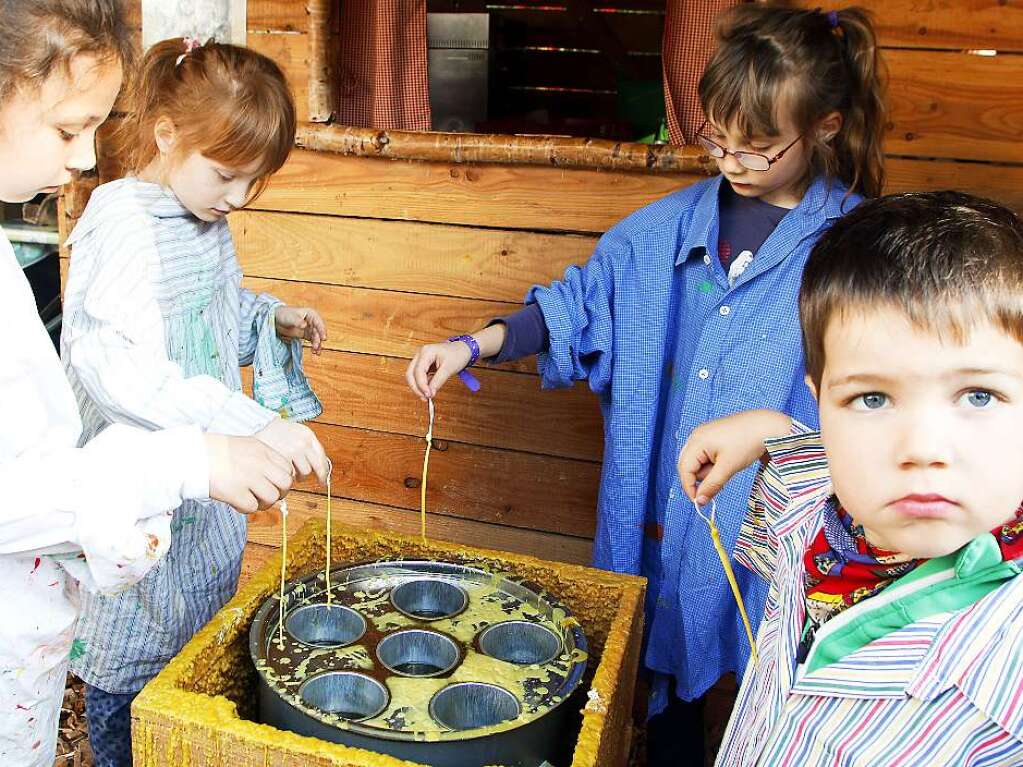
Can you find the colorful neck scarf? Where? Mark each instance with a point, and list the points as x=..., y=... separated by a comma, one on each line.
x=842, y=568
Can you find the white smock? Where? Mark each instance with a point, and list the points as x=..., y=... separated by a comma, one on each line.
x=95, y=517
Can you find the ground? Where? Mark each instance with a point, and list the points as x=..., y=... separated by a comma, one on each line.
x=73, y=738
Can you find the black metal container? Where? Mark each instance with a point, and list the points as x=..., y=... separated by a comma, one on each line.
x=432, y=662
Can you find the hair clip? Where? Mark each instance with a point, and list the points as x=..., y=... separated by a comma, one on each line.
x=191, y=43
x=833, y=19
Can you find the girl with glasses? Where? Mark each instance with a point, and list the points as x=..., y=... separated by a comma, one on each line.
x=687, y=311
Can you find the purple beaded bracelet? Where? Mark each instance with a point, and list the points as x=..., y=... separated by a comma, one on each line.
x=474, y=354
x=474, y=348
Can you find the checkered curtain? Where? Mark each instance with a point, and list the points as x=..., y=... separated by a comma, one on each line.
x=383, y=82
x=688, y=43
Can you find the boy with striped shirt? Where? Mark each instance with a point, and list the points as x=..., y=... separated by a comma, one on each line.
x=892, y=539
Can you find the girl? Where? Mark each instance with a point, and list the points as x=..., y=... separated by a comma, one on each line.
x=156, y=326
x=687, y=311
x=95, y=515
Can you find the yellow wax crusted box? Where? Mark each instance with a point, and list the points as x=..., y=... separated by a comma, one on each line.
x=199, y=711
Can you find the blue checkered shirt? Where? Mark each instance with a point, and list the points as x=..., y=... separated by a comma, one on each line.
x=651, y=323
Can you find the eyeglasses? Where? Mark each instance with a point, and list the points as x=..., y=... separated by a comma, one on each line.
x=748, y=160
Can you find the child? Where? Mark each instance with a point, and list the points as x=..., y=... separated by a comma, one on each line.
x=893, y=539
x=156, y=325
x=96, y=514
x=687, y=311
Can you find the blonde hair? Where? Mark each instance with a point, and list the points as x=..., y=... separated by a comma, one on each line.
x=814, y=63
x=39, y=37
x=229, y=103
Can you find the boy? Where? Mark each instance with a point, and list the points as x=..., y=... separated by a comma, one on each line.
x=893, y=630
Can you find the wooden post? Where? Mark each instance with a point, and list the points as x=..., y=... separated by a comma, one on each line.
x=322, y=73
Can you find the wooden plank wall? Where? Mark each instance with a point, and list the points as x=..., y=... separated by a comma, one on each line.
x=398, y=253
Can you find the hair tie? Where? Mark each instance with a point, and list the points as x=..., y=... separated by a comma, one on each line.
x=833, y=19
x=191, y=43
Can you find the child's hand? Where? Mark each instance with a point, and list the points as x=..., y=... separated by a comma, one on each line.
x=298, y=445
x=245, y=473
x=434, y=364
x=718, y=450
x=294, y=322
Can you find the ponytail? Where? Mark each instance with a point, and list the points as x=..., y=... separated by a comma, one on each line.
x=858, y=146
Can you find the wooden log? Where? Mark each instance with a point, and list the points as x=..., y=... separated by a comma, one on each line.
x=954, y=24
x=549, y=151
x=322, y=72
x=509, y=412
x=509, y=197
x=465, y=481
x=265, y=528
x=492, y=264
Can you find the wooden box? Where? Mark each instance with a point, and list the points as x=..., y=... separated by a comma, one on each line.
x=200, y=710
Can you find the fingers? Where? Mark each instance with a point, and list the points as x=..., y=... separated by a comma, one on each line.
x=441, y=375
x=712, y=483
x=691, y=461
x=412, y=378
x=319, y=463
x=317, y=331
x=427, y=359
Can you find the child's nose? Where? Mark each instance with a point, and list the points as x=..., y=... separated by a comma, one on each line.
x=83, y=154
x=730, y=166
x=923, y=442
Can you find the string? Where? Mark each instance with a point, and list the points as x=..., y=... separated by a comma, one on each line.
x=726, y=563
x=284, y=560
x=426, y=470
x=326, y=572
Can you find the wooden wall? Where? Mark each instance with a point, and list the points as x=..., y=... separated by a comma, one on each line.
x=398, y=253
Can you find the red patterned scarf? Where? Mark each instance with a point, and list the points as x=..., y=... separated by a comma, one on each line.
x=842, y=568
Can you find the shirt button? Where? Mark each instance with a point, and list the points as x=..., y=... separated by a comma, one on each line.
x=704, y=374
x=706, y=259
x=725, y=311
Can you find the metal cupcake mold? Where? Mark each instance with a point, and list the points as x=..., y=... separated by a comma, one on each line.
x=520, y=642
x=429, y=599
x=418, y=653
x=324, y=625
x=473, y=705
x=346, y=694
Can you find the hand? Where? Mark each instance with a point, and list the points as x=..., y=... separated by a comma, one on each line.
x=298, y=445
x=294, y=322
x=434, y=364
x=245, y=473
x=718, y=450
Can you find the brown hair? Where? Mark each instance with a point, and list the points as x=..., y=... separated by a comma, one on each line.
x=946, y=260
x=815, y=63
x=228, y=103
x=38, y=37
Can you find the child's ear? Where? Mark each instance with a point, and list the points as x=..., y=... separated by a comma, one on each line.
x=829, y=126
x=812, y=387
x=165, y=134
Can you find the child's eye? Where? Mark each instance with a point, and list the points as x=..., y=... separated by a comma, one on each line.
x=224, y=176
x=979, y=399
x=870, y=401
x=64, y=135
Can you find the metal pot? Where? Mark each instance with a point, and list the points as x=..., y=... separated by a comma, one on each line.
x=432, y=662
